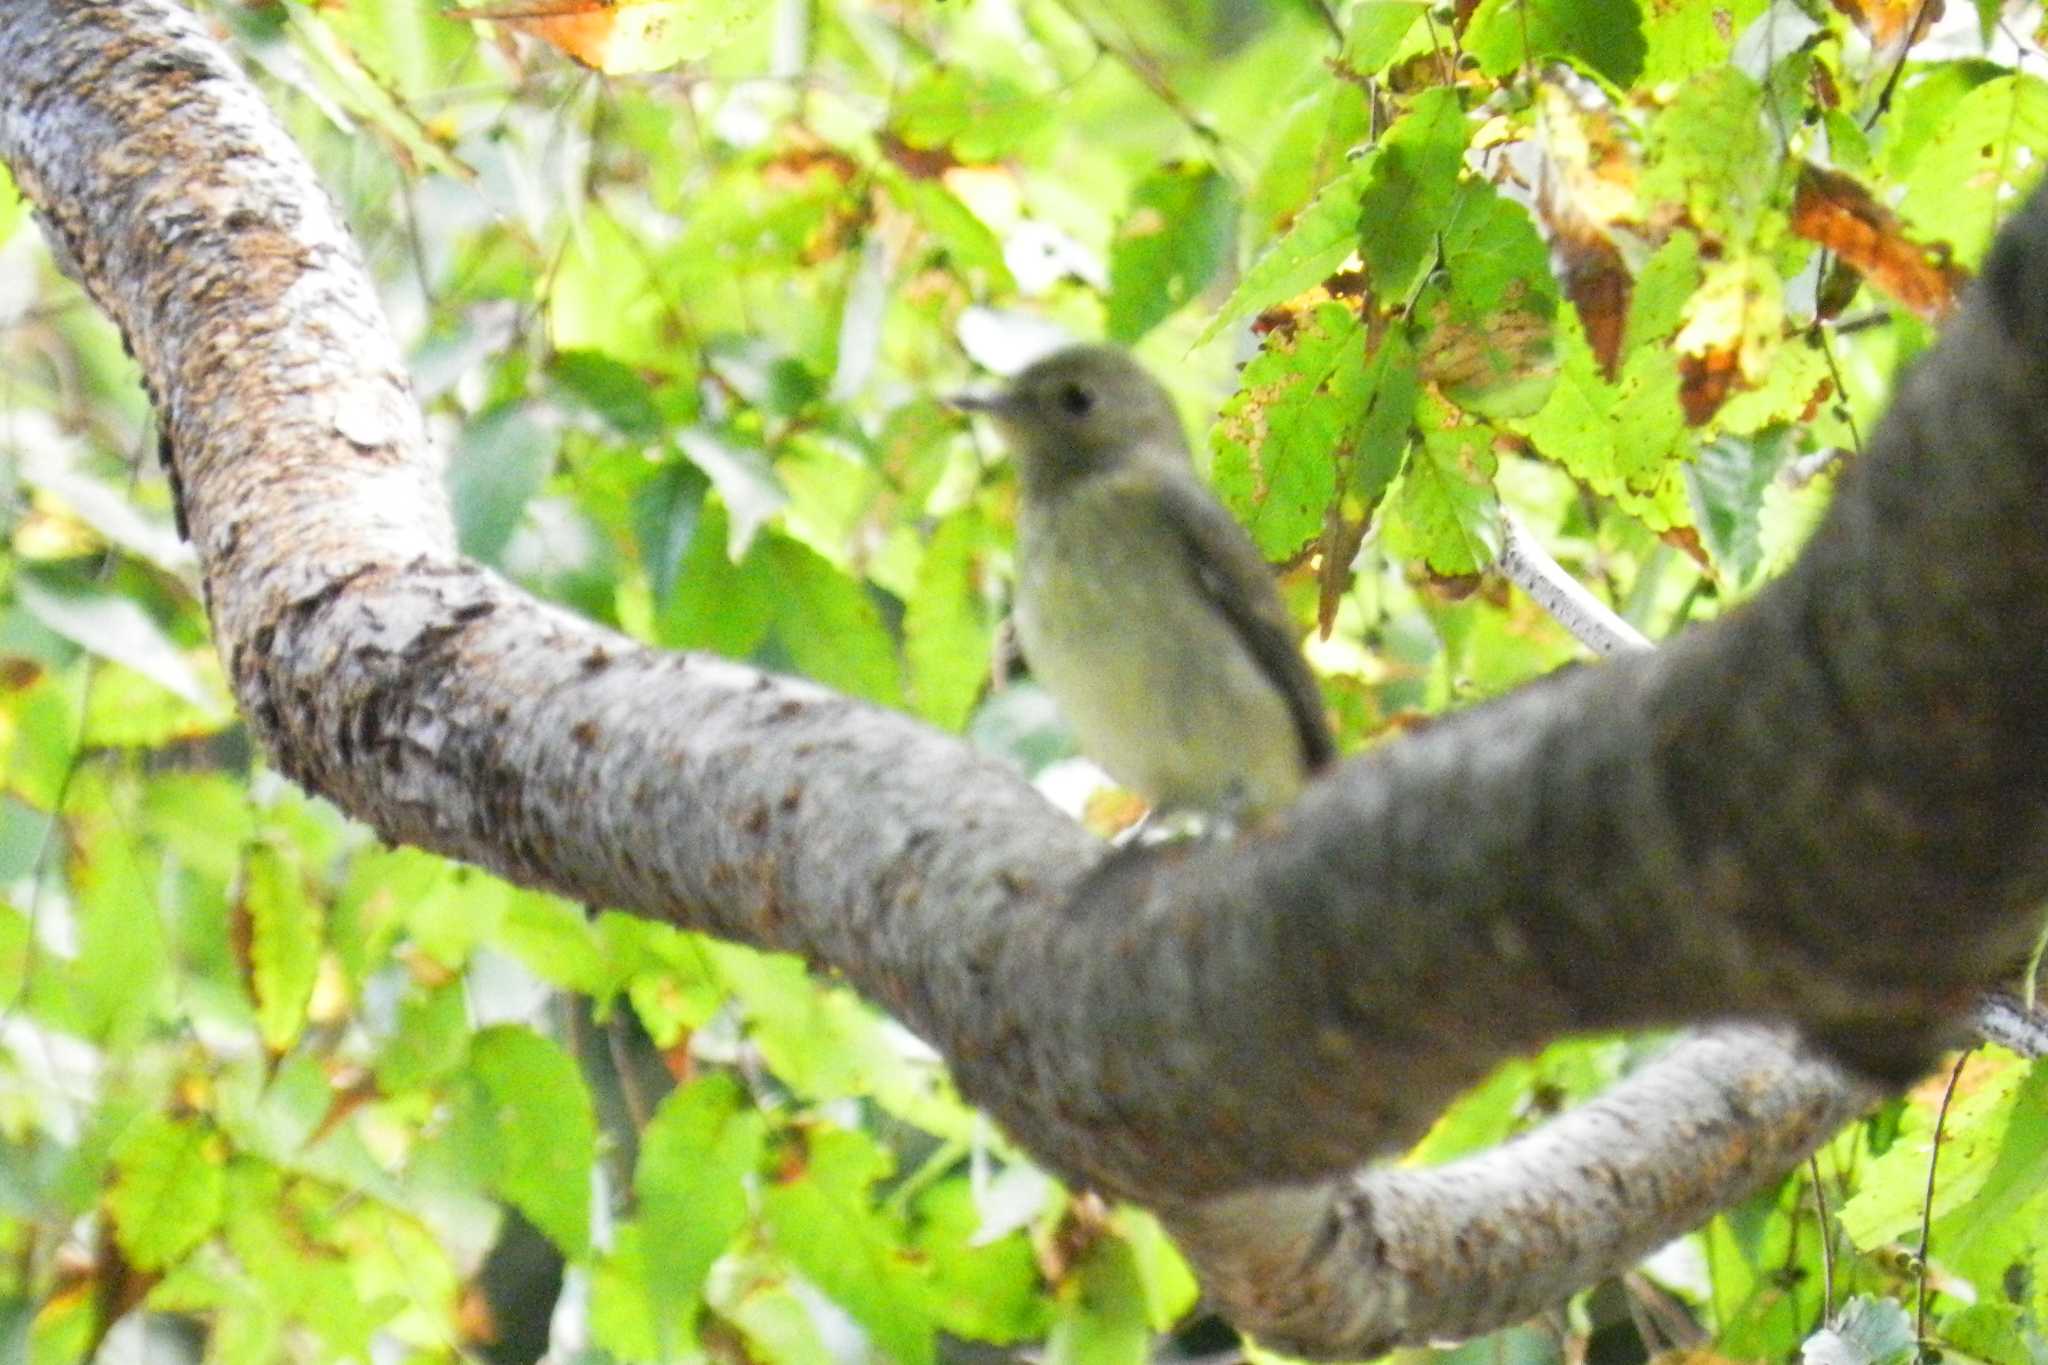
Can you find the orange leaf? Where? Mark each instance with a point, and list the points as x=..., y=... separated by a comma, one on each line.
x=1840, y=214
x=581, y=28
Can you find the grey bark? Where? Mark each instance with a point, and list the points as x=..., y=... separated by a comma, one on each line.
x=1826, y=810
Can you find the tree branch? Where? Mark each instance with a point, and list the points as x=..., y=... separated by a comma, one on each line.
x=1827, y=808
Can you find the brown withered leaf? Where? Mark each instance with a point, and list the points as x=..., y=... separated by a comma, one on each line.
x=1686, y=540
x=1599, y=286
x=1590, y=188
x=580, y=28
x=793, y=164
x=919, y=163
x=1470, y=361
x=1335, y=551
x=1704, y=379
x=1884, y=22
x=1822, y=392
x=615, y=37
x=1837, y=212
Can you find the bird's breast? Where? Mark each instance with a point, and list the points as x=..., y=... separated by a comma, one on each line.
x=1154, y=680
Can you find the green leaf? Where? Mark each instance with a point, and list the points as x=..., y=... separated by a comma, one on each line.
x=667, y=972
x=1603, y=36
x=281, y=1231
x=948, y=630
x=1323, y=237
x=697, y=1155
x=829, y=624
x=431, y=1040
x=1491, y=309
x=1924, y=107
x=502, y=459
x=1320, y=132
x=1381, y=438
x=554, y=939
x=126, y=710
x=114, y=628
x=610, y=388
x=547, y=1132
x=167, y=1190
x=1101, y=1310
x=1171, y=1289
x=825, y=1043
x=716, y=604
x=774, y=1310
x=970, y=247
x=1680, y=41
x=823, y=1216
x=1664, y=285
x=1967, y=178
x=1728, y=479
x=622, y=1308
x=1994, y=1148
x=454, y=909
x=1621, y=439
x=123, y=968
x=47, y=721
x=1170, y=244
x=1303, y=406
x=13, y=208
x=1711, y=155
x=745, y=481
x=1444, y=510
x=982, y=1289
x=285, y=937
x=978, y=117
x=1411, y=183
x=1374, y=32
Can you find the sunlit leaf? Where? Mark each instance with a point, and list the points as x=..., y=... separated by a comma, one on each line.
x=820, y=1214
x=1100, y=1310
x=167, y=1190
x=115, y=628
x=948, y=631
x=546, y=1131
x=1604, y=36
x=1444, y=510
x=1168, y=246
x=501, y=461
x=1410, y=184
x=697, y=1155
x=285, y=938
x=620, y=37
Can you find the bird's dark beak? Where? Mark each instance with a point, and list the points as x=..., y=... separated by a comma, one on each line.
x=995, y=404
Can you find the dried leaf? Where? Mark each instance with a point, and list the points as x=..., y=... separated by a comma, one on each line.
x=1837, y=212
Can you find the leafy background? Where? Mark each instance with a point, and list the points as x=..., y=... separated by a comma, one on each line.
x=1641, y=272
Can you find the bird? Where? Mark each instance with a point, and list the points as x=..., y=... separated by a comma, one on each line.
x=1142, y=606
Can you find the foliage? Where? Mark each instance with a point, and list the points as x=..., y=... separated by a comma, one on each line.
x=681, y=325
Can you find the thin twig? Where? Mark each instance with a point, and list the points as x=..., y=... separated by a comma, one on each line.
x=1827, y=350
x=1827, y=1243
x=1891, y=83
x=1927, y=1211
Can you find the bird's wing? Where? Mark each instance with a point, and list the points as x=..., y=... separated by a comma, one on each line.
x=1229, y=572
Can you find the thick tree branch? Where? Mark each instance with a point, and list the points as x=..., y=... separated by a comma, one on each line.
x=1828, y=808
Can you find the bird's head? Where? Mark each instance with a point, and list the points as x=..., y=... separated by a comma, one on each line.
x=1081, y=411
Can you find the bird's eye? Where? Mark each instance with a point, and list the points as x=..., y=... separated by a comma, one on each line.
x=1074, y=400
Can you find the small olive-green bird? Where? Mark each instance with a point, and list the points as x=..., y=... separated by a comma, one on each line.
x=1142, y=606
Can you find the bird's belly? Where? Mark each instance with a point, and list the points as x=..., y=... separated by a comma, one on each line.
x=1158, y=689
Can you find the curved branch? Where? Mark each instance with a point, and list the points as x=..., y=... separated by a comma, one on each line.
x=1829, y=808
